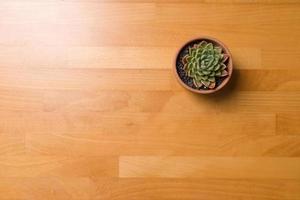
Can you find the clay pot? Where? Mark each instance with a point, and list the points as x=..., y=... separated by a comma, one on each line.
x=228, y=63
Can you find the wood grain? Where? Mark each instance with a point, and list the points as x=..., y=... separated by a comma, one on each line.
x=55, y=166
x=212, y=167
x=90, y=108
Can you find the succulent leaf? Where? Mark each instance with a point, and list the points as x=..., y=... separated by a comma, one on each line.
x=225, y=57
x=217, y=67
x=223, y=66
x=206, y=83
x=218, y=49
x=198, y=84
x=204, y=78
x=211, y=68
x=209, y=46
x=212, y=79
x=206, y=72
x=212, y=85
x=202, y=43
x=224, y=73
x=189, y=58
x=199, y=73
x=218, y=73
x=184, y=61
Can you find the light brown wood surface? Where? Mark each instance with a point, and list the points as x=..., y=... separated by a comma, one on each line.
x=90, y=108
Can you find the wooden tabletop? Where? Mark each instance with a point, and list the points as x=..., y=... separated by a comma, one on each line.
x=90, y=107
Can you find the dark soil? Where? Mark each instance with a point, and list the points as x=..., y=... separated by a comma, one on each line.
x=179, y=67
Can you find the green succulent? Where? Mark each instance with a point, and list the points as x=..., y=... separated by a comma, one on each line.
x=204, y=63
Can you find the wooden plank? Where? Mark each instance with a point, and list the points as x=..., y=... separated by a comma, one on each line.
x=20, y=99
x=75, y=13
x=160, y=26
x=150, y=34
x=290, y=58
x=255, y=2
x=261, y=101
x=57, y=166
x=148, y=101
x=213, y=189
x=83, y=144
x=79, y=132
x=45, y=188
x=71, y=12
x=158, y=188
x=288, y=123
x=209, y=167
x=12, y=142
x=103, y=125
x=171, y=102
x=95, y=143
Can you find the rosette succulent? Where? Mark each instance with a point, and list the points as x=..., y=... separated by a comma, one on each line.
x=205, y=63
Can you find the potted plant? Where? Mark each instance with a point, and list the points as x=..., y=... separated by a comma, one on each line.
x=203, y=65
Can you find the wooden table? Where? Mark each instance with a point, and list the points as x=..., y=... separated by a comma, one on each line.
x=90, y=108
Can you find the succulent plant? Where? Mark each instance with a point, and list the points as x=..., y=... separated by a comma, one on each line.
x=204, y=63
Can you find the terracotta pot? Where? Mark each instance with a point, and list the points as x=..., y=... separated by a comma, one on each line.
x=229, y=65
